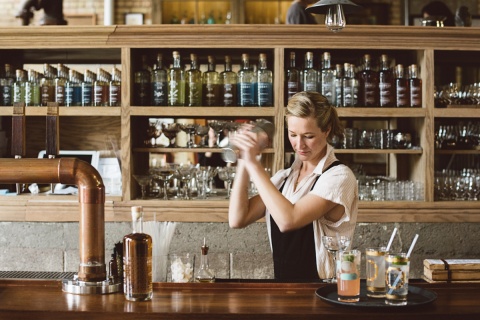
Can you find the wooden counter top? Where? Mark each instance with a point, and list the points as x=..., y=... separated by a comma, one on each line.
x=45, y=300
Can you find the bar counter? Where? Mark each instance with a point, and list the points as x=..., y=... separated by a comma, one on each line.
x=38, y=299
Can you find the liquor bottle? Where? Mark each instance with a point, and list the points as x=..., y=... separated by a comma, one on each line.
x=355, y=86
x=401, y=88
x=87, y=88
x=141, y=85
x=115, y=88
x=6, y=83
x=34, y=82
x=205, y=273
x=100, y=89
x=69, y=88
x=415, y=85
x=211, y=84
x=310, y=75
x=264, y=83
x=347, y=86
x=292, y=79
x=246, y=83
x=386, y=83
x=327, y=78
x=159, y=83
x=193, y=83
x=59, y=83
x=47, y=85
x=137, y=260
x=368, y=84
x=228, y=82
x=19, y=86
x=176, y=82
x=29, y=88
x=337, y=84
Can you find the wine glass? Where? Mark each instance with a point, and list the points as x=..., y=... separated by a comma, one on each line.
x=332, y=245
x=190, y=129
x=217, y=126
x=227, y=174
x=203, y=176
x=143, y=181
x=153, y=132
x=170, y=130
x=164, y=173
x=186, y=172
x=202, y=131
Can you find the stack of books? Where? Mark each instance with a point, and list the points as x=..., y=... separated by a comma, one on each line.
x=449, y=270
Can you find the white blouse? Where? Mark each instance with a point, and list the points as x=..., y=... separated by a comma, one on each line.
x=338, y=185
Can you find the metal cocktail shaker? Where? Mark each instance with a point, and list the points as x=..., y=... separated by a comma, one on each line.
x=229, y=153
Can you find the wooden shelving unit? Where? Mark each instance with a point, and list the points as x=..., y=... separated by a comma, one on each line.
x=123, y=44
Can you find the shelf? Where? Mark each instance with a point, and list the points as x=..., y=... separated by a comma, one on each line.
x=179, y=112
x=378, y=151
x=456, y=112
x=198, y=150
x=67, y=111
x=441, y=151
x=381, y=112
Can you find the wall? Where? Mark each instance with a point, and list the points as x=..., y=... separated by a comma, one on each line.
x=234, y=253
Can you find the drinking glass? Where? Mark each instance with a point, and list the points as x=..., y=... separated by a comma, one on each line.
x=203, y=176
x=217, y=126
x=164, y=173
x=181, y=267
x=397, y=269
x=202, y=131
x=227, y=174
x=154, y=131
x=190, y=129
x=348, y=275
x=143, y=181
x=375, y=268
x=332, y=244
x=186, y=173
x=170, y=130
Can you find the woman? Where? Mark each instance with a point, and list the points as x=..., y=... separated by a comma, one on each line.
x=316, y=196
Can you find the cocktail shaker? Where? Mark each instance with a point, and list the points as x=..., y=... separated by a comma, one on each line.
x=230, y=152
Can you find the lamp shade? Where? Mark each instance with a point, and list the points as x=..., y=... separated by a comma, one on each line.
x=322, y=6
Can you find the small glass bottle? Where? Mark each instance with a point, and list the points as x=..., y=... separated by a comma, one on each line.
x=310, y=75
x=368, y=84
x=137, y=260
x=99, y=89
x=211, y=84
x=176, y=82
x=47, y=85
x=29, y=88
x=34, y=79
x=193, y=83
x=87, y=88
x=115, y=88
x=401, y=88
x=60, y=80
x=292, y=79
x=228, y=80
x=19, y=86
x=7, y=86
x=347, y=86
x=386, y=83
x=159, y=83
x=337, y=84
x=328, y=78
x=246, y=83
x=415, y=85
x=205, y=273
x=69, y=88
x=141, y=85
x=264, y=83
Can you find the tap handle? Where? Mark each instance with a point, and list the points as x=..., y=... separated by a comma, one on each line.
x=18, y=130
x=52, y=125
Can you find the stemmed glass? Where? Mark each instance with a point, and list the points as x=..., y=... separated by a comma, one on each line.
x=332, y=245
x=186, y=173
x=203, y=176
x=164, y=173
x=153, y=132
x=217, y=126
x=170, y=130
x=143, y=181
x=227, y=174
x=202, y=131
x=190, y=129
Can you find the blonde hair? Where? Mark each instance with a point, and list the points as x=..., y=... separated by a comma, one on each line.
x=312, y=104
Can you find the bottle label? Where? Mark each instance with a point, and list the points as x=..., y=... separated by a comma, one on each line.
x=7, y=95
x=415, y=96
x=229, y=94
x=327, y=91
x=265, y=94
x=385, y=94
x=310, y=86
x=86, y=95
x=370, y=88
x=137, y=275
x=246, y=94
x=402, y=96
x=60, y=95
x=17, y=93
x=292, y=88
x=68, y=95
x=98, y=94
x=159, y=96
x=173, y=93
x=114, y=95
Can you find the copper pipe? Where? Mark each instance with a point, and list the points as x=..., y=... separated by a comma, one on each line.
x=91, y=193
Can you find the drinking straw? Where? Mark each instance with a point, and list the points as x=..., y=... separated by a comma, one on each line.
x=391, y=239
x=408, y=256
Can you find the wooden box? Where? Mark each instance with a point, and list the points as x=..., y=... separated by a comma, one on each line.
x=451, y=269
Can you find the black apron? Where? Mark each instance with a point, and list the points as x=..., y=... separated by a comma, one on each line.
x=294, y=255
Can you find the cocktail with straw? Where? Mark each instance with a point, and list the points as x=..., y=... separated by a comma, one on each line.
x=375, y=269
x=334, y=244
x=397, y=270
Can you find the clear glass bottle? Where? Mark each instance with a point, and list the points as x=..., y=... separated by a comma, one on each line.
x=310, y=75
x=47, y=85
x=141, y=85
x=34, y=82
x=386, y=83
x=137, y=260
x=69, y=88
x=87, y=88
x=328, y=78
x=115, y=88
x=60, y=80
x=159, y=83
x=292, y=78
x=211, y=84
x=228, y=82
x=402, y=99
x=246, y=83
x=264, y=83
x=19, y=86
x=347, y=86
x=176, y=82
x=368, y=84
x=193, y=80
x=415, y=85
x=6, y=83
x=204, y=273
x=337, y=84
x=100, y=89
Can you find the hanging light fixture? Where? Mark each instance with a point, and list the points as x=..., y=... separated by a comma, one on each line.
x=334, y=11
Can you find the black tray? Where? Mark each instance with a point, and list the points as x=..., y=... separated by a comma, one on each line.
x=416, y=297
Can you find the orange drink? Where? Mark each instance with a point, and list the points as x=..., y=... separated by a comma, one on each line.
x=348, y=275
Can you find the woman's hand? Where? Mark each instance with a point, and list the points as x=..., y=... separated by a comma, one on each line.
x=249, y=142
